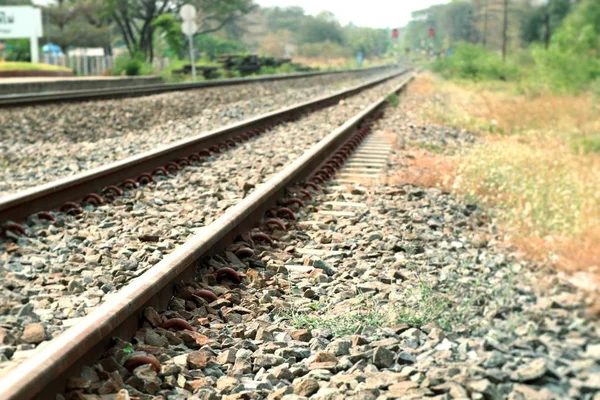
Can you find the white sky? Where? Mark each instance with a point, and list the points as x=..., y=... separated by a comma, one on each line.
x=367, y=13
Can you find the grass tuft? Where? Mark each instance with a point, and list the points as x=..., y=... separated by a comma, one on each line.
x=393, y=100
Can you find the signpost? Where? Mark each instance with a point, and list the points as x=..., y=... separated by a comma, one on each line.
x=18, y=22
x=189, y=27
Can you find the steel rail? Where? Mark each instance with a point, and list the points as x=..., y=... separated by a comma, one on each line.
x=20, y=100
x=45, y=373
x=18, y=206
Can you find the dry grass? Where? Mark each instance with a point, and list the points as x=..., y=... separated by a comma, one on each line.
x=538, y=163
x=423, y=168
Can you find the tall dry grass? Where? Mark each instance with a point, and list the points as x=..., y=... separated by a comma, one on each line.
x=538, y=163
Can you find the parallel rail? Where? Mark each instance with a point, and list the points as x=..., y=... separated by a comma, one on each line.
x=46, y=373
x=111, y=93
x=48, y=196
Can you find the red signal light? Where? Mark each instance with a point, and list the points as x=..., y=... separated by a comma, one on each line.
x=431, y=32
x=394, y=33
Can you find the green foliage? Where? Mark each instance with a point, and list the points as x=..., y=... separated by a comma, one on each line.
x=212, y=46
x=132, y=66
x=284, y=69
x=424, y=305
x=571, y=63
x=78, y=23
x=171, y=30
x=563, y=71
x=474, y=62
x=535, y=20
x=393, y=100
x=17, y=50
x=588, y=145
x=340, y=325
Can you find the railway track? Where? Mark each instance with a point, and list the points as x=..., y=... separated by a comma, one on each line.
x=90, y=185
x=101, y=94
x=46, y=373
x=44, y=143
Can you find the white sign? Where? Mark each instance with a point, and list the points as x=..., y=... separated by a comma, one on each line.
x=189, y=28
x=19, y=22
x=187, y=12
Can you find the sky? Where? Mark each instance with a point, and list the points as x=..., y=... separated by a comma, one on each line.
x=367, y=13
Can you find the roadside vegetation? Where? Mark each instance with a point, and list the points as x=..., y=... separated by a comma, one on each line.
x=537, y=113
x=27, y=66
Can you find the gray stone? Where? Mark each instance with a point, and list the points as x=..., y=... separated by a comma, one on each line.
x=530, y=371
x=383, y=358
x=305, y=387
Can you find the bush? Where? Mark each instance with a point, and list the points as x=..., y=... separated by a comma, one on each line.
x=474, y=62
x=212, y=46
x=17, y=50
x=125, y=65
x=133, y=67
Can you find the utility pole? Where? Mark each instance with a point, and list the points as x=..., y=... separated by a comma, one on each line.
x=505, y=30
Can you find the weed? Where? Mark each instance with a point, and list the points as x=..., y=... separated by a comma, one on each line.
x=424, y=305
x=587, y=145
x=340, y=325
x=393, y=99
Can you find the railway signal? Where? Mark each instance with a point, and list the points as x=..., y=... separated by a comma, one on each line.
x=395, y=33
x=431, y=32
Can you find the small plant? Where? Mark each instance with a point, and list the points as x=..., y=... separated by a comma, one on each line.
x=133, y=67
x=393, y=100
x=587, y=145
x=339, y=324
x=424, y=305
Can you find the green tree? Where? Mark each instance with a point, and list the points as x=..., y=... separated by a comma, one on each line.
x=170, y=28
x=213, y=46
x=77, y=23
x=540, y=22
x=134, y=18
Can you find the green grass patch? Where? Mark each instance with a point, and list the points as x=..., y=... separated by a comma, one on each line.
x=27, y=66
x=587, y=145
x=393, y=100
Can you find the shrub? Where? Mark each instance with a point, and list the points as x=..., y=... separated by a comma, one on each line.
x=124, y=64
x=133, y=67
x=474, y=62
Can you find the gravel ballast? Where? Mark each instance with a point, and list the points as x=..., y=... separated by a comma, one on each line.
x=375, y=292
x=43, y=143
